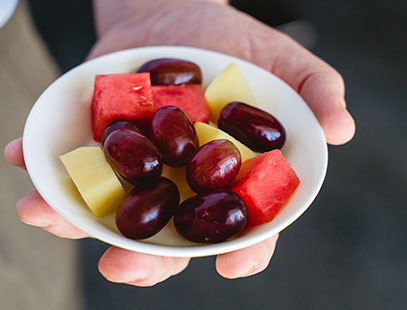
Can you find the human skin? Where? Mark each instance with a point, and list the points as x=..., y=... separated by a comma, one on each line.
x=210, y=24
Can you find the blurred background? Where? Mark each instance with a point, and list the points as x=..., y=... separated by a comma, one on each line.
x=348, y=251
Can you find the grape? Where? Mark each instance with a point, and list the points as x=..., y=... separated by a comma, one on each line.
x=211, y=217
x=119, y=124
x=169, y=71
x=133, y=155
x=147, y=209
x=214, y=166
x=255, y=128
x=174, y=134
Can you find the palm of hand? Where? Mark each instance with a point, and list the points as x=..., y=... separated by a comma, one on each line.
x=224, y=29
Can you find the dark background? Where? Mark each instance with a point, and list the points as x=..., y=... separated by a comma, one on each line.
x=348, y=251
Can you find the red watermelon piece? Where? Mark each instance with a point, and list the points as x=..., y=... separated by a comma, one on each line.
x=265, y=183
x=188, y=97
x=120, y=96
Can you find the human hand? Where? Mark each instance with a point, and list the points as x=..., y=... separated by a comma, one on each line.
x=123, y=266
x=222, y=28
x=217, y=27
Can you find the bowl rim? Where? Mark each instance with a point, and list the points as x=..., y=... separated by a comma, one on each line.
x=164, y=250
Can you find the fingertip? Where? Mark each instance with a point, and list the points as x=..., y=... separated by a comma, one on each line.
x=235, y=264
x=122, y=266
x=13, y=153
x=138, y=269
x=28, y=212
x=340, y=127
x=246, y=262
x=34, y=211
x=329, y=107
x=226, y=268
x=107, y=266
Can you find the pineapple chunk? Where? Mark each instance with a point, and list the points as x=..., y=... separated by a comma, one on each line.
x=207, y=133
x=95, y=179
x=178, y=176
x=227, y=87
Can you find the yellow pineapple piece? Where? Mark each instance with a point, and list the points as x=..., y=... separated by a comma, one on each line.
x=207, y=133
x=227, y=87
x=95, y=179
x=178, y=176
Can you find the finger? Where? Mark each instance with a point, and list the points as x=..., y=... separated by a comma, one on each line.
x=123, y=266
x=248, y=261
x=33, y=210
x=319, y=84
x=13, y=152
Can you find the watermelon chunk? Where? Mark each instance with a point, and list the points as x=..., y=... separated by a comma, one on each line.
x=265, y=183
x=120, y=96
x=188, y=97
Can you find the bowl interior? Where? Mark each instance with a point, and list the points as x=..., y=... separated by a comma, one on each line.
x=60, y=121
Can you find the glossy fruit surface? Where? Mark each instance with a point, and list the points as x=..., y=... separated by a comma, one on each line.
x=119, y=124
x=214, y=166
x=174, y=134
x=133, y=155
x=211, y=217
x=255, y=128
x=147, y=209
x=170, y=71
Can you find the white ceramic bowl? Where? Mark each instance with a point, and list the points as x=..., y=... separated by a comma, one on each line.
x=60, y=121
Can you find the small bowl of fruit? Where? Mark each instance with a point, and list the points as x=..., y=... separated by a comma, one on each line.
x=174, y=151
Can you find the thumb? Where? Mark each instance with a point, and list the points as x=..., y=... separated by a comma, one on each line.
x=319, y=84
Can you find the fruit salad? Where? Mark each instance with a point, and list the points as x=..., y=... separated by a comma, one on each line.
x=159, y=157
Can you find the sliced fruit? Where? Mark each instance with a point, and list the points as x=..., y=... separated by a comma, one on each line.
x=207, y=133
x=228, y=86
x=95, y=179
x=188, y=97
x=265, y=184
x=120, y=96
